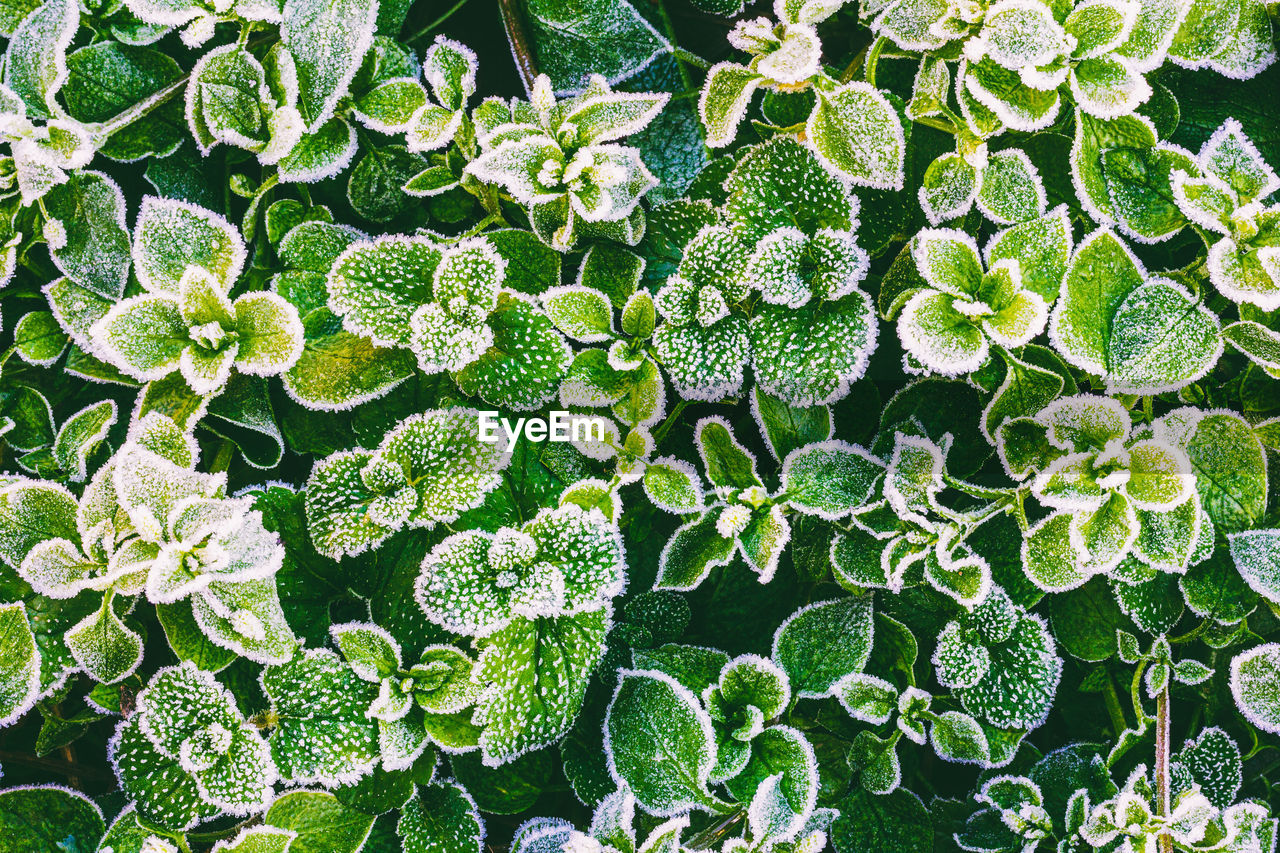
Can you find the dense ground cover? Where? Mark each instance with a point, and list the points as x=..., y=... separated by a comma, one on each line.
x=934, y=347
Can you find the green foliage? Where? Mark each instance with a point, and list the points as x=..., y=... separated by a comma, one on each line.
x=639, y=427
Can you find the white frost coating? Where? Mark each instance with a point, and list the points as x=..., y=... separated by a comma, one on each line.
x=250, y=832
x=840, y=691
x=334, y=166
x=702, y=772
x=165, y=215
x=1255, y=685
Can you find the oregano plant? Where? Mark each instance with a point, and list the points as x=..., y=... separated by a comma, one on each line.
x=639, y=426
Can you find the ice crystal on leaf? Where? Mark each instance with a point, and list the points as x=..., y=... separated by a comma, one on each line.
x=428, y=469
x=561, y=158
x=291, y=524
x=190, y=719
x=563, y=561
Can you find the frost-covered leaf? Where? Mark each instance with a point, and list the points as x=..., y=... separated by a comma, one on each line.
x=257, y=839
x=782, y=183
x=38, y=339
x=322, y=734
x=608, y=37
x=563, y=561
x=1230, y=469
x=441, y=818
x=1256, y=554
x=673, y=485
x=660, y=743
x=724, y=100
x=1213, y=759
x=582, y=313
x=320, y=822
x=50, y=819
x=327, y=40
x=858, y=132
x=36, y=58
x=692, y=551
x=1255, y=685
x=829, y=479
x=535, y=673
x=960, y=738
x=91, y=209
x=104, y=647
x=19, y=665
x=1019, y=687
x=523, y=367
x=812, y=355
x=171, y=236
x=822, y=643
x=189, y=717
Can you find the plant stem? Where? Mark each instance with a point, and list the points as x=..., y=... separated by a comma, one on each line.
x=665, y=427
x=521, y=50
x=873, y=57
x=703, y=840
x=1109, y=695
x=448, y=13
x=1162, y=764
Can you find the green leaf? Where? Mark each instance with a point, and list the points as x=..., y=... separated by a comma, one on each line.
x=857, y=132
x=536, y=672
x=327, y=40
x=104, y=647
x=1230, y=470
x=322, y=733
x=830, y=479
x=20, y=664
x=1094, y=136
x=165, y=794
x=673, y=485
x=322, y=824
x=81, y=435
x=894, y=823
x=786, y=428
x=1139, y=185
x=35, y=65
x=812, y=355
x=582, y=313
x=188, y=641
x=659, y=741
x=38, y=339
x=257, y=839
x=171, y=235
x=441, y=818
x=376, y=286
x=1255, y=686
x=320, y=154
x=1101, y=275
x=692, y=552
x=376, y=186
x=959, y=737
x=726, y=94
x=31, y=513
x=1213, y=759
x=223, y=101
x=609, y=37
x=1260, y=344
x=50, y=819
x=822, y=643
x=91, y=209
x=338, y=370
x=522, y=368
x=1256, y=554
x=1026, y=389
x=783, y=764
x=781, y=183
